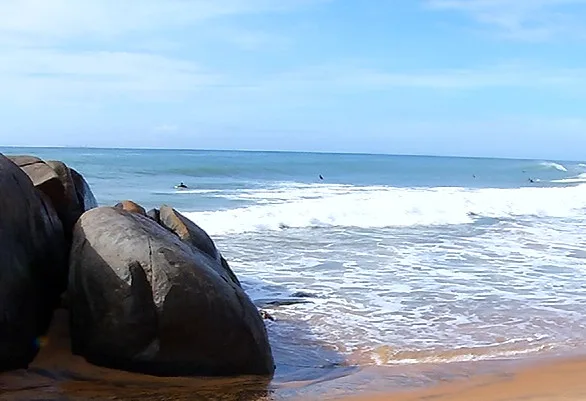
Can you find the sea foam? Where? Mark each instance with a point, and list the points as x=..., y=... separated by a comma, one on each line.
x=554, y=165
x=378, y=207
x=581, y=178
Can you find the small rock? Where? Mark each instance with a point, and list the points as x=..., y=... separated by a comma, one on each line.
x=131, y=207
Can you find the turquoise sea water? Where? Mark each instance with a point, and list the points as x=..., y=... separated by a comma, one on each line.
x=389, y=259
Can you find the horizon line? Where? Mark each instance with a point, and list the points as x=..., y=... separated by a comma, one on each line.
x=324, y=152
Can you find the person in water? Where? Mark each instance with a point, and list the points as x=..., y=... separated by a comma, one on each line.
x=181, y=185
x=321, y=177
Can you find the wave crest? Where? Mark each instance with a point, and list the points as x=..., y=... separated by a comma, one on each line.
x=378, y=207
x=386, y=355
x=581, y=178
x=557, y=166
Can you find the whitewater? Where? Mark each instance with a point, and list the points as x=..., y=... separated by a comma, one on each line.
x=388, y=260
x=299, y=206
x=408, y=275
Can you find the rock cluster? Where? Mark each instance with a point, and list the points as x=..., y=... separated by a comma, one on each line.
x=147, y=292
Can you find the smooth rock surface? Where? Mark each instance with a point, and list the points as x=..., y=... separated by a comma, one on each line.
x=143, y=300
x=85, y=196
x=33, y=267
x=131, y=206
x=67, y=190
x=195, y=236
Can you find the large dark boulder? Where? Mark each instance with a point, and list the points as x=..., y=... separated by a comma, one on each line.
x=143, y=300
x=85, y=196
x=67, y=190
x=43, y=178
x=33, y=266
x=64, y=195
x=196, y=237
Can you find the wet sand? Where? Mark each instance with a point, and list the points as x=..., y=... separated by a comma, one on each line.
x=58, y=375
x=557, y=380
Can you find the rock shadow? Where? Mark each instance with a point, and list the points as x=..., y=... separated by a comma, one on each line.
x=301, y=359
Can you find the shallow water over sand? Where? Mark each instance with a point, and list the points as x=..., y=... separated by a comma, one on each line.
x=388, y=266
x=57, y=375
x=426, y=294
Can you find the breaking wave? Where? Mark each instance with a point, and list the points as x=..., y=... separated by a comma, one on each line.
x=574, y=180
x=557, y=166
x=385, y=355
x=377, y=207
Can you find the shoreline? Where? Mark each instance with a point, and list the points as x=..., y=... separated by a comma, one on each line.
x=347, y=277
x=56, y=374
x=546, y=379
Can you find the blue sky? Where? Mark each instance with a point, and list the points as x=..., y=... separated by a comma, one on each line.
x=459, y=77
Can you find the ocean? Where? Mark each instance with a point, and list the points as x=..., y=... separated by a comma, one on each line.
x=387, y=260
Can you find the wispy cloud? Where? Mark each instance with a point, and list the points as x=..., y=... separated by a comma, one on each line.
x=70, y=50
x=38, y=75
x=348, y=77
x=530, y=20
x=37, y=62
x=108, y=18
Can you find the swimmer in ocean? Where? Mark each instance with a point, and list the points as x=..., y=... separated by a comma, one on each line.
x=181, y=186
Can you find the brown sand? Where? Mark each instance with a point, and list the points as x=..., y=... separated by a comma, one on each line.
x=57, y=375
x=560, y=380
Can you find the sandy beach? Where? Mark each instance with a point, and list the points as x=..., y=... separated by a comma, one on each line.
x=444, y=305
x=56, y=375
x=292, y=200
x=558, y=380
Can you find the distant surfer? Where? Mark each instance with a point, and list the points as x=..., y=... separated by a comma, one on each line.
x=321, y=177
x=181, y=186
x=531, y=180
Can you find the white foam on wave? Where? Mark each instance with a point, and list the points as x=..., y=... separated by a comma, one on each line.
x=187, y=191
x=378, y=207
x=195, y=191
x=386, y=355
x=574, y=180
x=427, y=294
x=554, y=165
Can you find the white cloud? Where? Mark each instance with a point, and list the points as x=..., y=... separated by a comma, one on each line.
x=532, y=20
x=348, y=77
x=35, y=67
x=38, y=75
x=108, y=18
x=67, y=50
